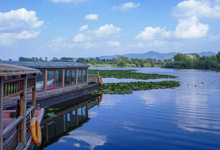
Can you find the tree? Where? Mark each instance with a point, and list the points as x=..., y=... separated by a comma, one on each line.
x=121, y=63
x=218, y=57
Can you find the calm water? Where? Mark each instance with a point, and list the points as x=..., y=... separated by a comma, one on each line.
x=187, y=117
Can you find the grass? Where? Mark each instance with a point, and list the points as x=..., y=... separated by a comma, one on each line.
x=128, y=74
x=128, y=87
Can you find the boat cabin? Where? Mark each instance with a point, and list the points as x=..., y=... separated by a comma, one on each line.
x=56, y=74
x=57, y=81
x=15, y=81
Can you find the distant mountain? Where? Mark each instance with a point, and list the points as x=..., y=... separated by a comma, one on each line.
x=207, y=53
x=152, y=55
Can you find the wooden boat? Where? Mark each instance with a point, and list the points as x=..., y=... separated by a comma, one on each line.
x=15, y=128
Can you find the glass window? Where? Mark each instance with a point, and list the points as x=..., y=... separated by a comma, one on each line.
x=79, y=76
x=40, y=81
x=84, y=76
x=50, y=79
x=58, y=78
x=73, y=76
x=67, y=77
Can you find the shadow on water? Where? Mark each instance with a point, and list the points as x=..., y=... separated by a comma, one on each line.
x=67, y=117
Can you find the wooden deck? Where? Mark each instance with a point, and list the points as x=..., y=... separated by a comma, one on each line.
x=54, y=96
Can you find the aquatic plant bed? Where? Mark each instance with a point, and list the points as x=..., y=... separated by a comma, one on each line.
x=128, y=74
x=128, y=87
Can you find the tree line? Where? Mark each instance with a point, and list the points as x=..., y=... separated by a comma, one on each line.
x=184, y=61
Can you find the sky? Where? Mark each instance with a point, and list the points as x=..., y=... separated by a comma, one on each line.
x=92, y=28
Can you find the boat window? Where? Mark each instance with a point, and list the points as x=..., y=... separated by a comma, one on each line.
x=84, y=76
x=50, y=79
x=40, y=81
x=58, y=78
x=79, y=76
x=67, y=77
x=73, y=76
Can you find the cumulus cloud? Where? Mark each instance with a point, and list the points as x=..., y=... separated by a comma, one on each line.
x=106, y=30
x=187, y=28
x=18, y=24
x=79, y=38
x=82, y=28
x=149, y=33
x=91, y=17
x=191, y=28
x=126, y=6
x=113, y=43
x=198, y=8
x=67, y=1
x=19, y=19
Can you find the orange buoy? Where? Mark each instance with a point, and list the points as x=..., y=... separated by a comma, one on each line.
x=35, y=131
x=100, y=80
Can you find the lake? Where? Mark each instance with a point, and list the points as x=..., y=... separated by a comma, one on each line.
x=187, y=117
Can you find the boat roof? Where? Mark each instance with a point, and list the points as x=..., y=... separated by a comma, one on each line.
x=11, y=70
x=47, y=65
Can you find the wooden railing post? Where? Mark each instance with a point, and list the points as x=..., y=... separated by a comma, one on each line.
x=86, y=75
x=76, y=76
x=23, y=107
x=34, y=92
x=1, y=112
x=63, y=77
x=45, y=80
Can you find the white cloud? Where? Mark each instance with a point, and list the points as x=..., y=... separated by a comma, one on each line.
x=93, y=139
x=187, y=28
x=82, y=28
x=91, y=17
x=19, y=19
x=126, y=6
x=59, y=40
x=199, y=8
x=8, y=38
x=106, y=30
x=17, y=25
x=79, y=38
x=60, y=43
x=67, y=1
x=149, y=33
x=191, y=28
x=113, y=43
x=27, y=35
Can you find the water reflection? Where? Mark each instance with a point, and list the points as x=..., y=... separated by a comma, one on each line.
x=69, y=119
x=86, y=139
x=193, y=111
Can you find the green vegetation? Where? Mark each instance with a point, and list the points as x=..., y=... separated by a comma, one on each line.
x=128, y=87
x=183, y=61
x=33, y=59
x=121, y=61
x=127, y=74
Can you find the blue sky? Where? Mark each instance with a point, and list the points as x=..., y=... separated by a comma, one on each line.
x=89, y=28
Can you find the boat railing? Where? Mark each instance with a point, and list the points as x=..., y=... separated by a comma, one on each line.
x=92, y=78
x=13, y=87
x=31, y=82
x=13, y=132
x=29, y=115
